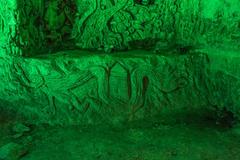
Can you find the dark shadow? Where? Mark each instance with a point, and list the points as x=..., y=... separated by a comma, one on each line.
x=145, y=44
x=144, y=2
x=198, y=118
x=10, y=114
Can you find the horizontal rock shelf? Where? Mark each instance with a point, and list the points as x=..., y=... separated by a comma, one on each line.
x=87, y=88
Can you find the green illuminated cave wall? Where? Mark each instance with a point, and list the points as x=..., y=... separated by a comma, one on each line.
x=8, y=25
x=80, y=86
x=35, y=27
x=66, y=88
x=125, y=24
x=40, y=27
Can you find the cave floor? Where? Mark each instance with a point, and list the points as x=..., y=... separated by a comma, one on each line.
x=162, y=143
x=191, y=137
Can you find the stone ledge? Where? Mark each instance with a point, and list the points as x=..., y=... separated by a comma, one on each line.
x=69, y=89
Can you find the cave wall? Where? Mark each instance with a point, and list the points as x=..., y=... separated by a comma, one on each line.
x=8, y=28
x=165, y=22
x=42, y=27
x=74, y=87
x=69, y=88
x=36, y=26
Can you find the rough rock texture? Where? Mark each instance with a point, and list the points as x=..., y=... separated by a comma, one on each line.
x=117, y=25
x=89, y=87
x=12, y=151
x=38, y=26
x=8, y=28
x=70, y=89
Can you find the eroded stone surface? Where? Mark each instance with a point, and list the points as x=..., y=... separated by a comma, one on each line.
x=70, y=89
x=12, y=151
x=30, y=27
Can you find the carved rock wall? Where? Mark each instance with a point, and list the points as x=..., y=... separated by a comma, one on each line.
x=75, y=87
x=8, y=28
x=41, y=27
x=125, y=24
x=70, y=89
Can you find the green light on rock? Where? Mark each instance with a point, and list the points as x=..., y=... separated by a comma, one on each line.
x=119, y=79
